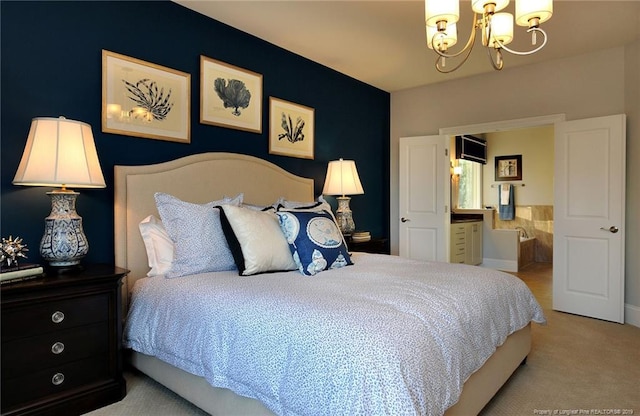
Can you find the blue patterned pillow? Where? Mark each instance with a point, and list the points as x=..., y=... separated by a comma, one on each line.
x=315, y=241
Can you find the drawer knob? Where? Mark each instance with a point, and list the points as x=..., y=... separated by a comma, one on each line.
x=57, y=379
x=57, y=348
x=57, y=317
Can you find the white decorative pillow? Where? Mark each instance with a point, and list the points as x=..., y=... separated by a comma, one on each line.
x=255, y=207
x=319, y=204
x=258, y=207
x=200, y=245
x=255, y=240
x=158, y=245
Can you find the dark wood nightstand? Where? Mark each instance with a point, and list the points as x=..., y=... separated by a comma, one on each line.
x=375, y=245
x=62, y=342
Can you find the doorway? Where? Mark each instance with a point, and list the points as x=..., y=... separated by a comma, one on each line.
x=588, y=239
x=542, y=210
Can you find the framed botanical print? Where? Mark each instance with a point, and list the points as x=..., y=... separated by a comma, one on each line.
x=143, y=99
x=508, y=168
x=291, y=129
x=230, y=96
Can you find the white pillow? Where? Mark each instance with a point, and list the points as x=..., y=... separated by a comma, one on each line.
x=320, y=204
x=200, y=244
x=256, y=240
x=158, y=245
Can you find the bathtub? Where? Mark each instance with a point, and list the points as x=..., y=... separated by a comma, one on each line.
x=526, y=251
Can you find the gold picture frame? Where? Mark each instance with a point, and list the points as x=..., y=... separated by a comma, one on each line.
x=291, y=129
x=145, y=100
x=230, y=96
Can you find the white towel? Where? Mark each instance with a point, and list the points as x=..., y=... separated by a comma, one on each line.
x=504, y=193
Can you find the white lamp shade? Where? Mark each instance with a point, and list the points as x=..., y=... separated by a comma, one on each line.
x=448, y=37
x=60, y=152
x=501, y=28
x=531, y=9
x=478, y=5
x=441, y=10
x=342, y=179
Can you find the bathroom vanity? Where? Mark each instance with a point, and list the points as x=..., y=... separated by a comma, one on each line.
x=465, y=240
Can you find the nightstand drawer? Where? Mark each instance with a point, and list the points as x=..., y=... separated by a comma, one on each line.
x=62, y=342
x=54, y=381
x=53, y=349
x=36, y=319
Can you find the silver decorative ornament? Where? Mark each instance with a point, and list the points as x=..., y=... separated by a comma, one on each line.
x=11, y=250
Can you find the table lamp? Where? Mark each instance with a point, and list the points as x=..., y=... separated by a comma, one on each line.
x=61, y=153
x=342, y=179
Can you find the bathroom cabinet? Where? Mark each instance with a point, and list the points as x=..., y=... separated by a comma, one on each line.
x=466, y=242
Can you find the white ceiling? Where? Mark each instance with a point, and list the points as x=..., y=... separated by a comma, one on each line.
x=382, y=43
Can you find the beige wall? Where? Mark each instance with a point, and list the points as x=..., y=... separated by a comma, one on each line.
x=536, y=147
x=592, y=85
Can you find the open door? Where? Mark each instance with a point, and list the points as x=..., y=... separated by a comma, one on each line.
x=424, y=198
x=589, y=195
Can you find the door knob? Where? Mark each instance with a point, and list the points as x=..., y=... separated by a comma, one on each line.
x=403, y=219
x=613, y=229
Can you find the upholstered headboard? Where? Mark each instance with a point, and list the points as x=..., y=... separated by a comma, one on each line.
x=197, y=178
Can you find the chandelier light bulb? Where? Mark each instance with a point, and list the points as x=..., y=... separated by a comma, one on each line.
x=442, y=39
x=531, y=13
x=501, y=29
x=480, y=6
x=447, y=11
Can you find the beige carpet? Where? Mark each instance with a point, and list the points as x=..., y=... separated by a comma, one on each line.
x=578, y=366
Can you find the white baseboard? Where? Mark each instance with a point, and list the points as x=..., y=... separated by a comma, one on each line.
x=498, y=264
x=632, y=315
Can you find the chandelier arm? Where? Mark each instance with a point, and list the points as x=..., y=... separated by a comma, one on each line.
x=447, y=71
x=533, y=29
x=500, y=63
x=467, y=48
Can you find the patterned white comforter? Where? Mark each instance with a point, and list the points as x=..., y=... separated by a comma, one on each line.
x=385, y=336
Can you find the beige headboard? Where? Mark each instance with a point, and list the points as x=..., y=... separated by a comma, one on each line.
x=197, y=178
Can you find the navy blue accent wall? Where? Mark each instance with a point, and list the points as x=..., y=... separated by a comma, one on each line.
x=51, y=66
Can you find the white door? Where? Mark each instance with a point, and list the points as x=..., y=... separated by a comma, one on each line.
x=424, y=195
x=589, y=195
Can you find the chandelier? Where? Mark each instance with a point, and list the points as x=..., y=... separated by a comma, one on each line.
x=441, y=17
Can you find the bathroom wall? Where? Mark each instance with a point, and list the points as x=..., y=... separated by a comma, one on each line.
x=533, y=200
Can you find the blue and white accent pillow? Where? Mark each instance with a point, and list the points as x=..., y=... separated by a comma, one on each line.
x=315, y=241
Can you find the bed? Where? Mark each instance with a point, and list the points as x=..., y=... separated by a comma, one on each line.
x=213, y=176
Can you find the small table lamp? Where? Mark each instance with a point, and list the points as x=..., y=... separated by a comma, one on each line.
x=342, y=179
x=61, y=152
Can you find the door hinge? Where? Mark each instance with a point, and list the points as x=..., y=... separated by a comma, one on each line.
x=446, y=152
x=446, y=209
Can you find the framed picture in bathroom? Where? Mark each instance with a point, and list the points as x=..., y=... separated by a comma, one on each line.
x=509, y=168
